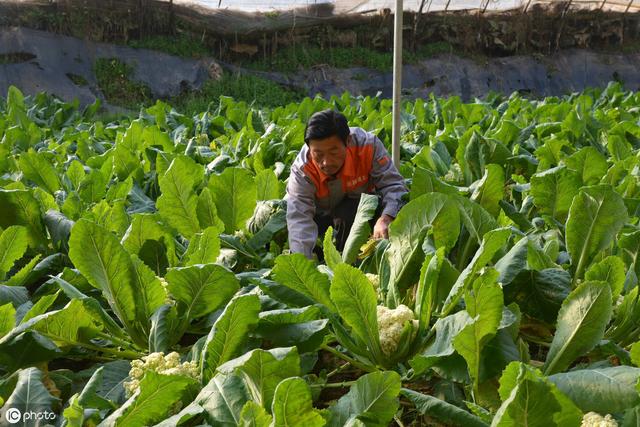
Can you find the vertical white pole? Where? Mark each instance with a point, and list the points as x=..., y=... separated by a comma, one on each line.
x=397, y=82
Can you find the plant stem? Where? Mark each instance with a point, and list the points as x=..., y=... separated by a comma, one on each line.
x=115, y=340
x=338, y=369
x=343, y=384
x=346, y=358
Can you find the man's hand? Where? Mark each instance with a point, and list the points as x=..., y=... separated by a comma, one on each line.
x=381, y=229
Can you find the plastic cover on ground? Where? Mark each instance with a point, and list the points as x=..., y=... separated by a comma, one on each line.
x=373, y=6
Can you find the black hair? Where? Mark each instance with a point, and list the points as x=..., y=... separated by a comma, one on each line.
x=325, y=124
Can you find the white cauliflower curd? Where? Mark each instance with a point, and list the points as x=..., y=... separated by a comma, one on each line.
x=593, y=419
x=158, y=362
x=390, y=325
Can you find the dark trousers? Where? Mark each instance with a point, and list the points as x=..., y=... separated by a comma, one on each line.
x=341, y=220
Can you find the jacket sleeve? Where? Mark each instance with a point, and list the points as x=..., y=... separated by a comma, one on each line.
x=387, y=180
x=301, y=209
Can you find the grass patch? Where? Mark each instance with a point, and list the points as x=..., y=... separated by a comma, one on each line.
x=77, y=80
x=16, y=57
x=114, y=81
x=262, y=92
x=292, y=59
x=183, y=45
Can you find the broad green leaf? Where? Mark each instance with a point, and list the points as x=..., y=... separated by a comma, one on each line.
x=267, y=185
x=424, y=181
x=20, y=207
x=610, y=270
x=40, y=307
x=431, y=213
x=634, y=353
x=113, y=218
x=30, y=395
x=157, y=395
x=529, y=402
x=178, y=202
x=152, y=135
x=298, y=273
x=484, y=304
x=38, y=169
x=568, y=414
x=152, y=293
x=204, y=247
x=514, y=261
x=430, y=291
x=581, y=323
x=107, y=266
x=13, y=244
x=69, y=326
x=75, y=174
x=90, y=395
x=373, y=399
x=596, y=215
x=94, y=186
x=589, y=163
x=207, y=211
x=263, y=370
x=223, y=399
x=59, y=227
x=74, y=413
x=145, y=227
x=355, y=300
x=489, y=190
x=292, y=405
x=229, y=333
x=7, y=318
x=360, y=230
x=446, y=329
x=492, y=242
x=474, y=217
x=164, y=328
x=300, y=327
x=254, y=415
x=605, y=390
x=17, y=295
x=277, y=222
x=92, y=306
x=331, y=255
x=201, y=289
x=539, y=293
x=234, y=193
x=441, y=410
x=553, y=191
x=22, y=349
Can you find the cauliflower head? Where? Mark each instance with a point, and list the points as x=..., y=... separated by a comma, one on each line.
x=158, y=362
x=374, y=279
x=390, y=325
x=593, y=419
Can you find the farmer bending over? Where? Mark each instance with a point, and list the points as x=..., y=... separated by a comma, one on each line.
x=335, y=166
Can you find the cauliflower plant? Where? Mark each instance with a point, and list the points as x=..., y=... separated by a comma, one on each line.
x=593, y=419
x=390, y=325
x=158, y=362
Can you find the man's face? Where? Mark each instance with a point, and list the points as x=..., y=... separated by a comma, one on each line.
x=328, y=154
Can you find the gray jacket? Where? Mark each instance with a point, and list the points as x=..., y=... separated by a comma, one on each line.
x=367, y=169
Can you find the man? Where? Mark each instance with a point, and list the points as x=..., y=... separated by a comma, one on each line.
x=336, y=165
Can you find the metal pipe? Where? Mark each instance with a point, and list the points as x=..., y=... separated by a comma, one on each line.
x=397, y=83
